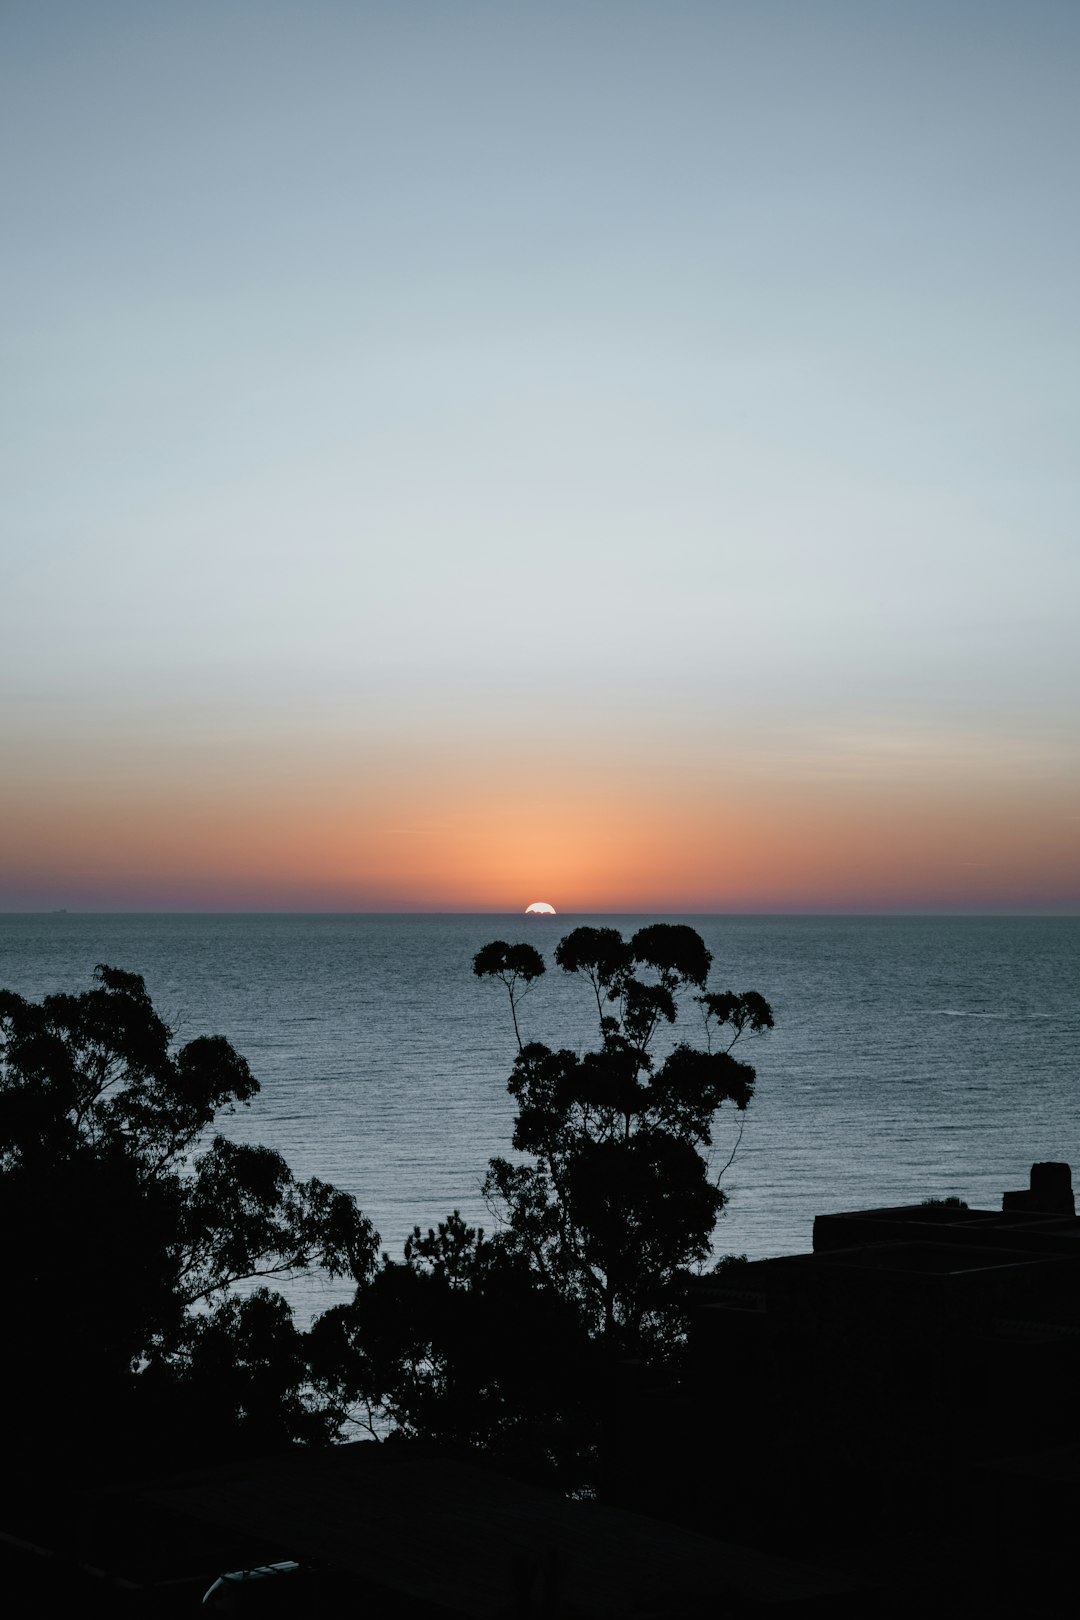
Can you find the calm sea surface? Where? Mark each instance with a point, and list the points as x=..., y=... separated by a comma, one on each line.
x=911, y=1056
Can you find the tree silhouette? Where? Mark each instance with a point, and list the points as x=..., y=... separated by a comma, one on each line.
x=461, y=1346
x=613, y=1200
x=126, y=1225
x=509, y=1343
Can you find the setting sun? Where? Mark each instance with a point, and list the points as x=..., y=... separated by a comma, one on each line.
x=539, y=908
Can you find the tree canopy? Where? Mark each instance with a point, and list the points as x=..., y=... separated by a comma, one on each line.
x=462, y=1346
x=127, y=1225
x=512, y=1342
x=139, y=1246
x=613, y=1198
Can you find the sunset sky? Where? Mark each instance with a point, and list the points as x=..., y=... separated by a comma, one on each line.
x=622, y=454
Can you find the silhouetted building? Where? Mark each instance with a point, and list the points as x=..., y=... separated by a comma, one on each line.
x=888, y=1388
x=1050, y=1192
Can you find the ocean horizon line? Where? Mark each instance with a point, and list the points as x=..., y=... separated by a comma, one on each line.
x=1068, y=910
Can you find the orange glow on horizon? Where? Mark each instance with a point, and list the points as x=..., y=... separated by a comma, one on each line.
x=478, y=841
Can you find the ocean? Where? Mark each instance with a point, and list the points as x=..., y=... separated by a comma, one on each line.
x=912, y=1056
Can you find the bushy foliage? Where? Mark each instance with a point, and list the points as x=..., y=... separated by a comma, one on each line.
x=614, y=1199
x=458, y=1345
x=126, y=1226
x=512, y=1343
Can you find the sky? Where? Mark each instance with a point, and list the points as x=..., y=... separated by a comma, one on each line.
x=461, y=454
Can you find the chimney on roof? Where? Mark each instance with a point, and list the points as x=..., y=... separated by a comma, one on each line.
x=1050, y=1192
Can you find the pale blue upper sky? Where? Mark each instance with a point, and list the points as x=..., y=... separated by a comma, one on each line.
x=355, y=354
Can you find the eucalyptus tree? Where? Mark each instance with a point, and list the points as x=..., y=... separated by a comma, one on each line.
x=612, y=1201
x=126, y=1226
x=507, y=1343
x=462, y=1346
